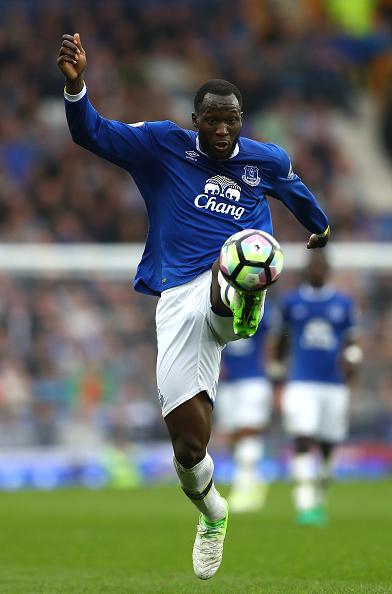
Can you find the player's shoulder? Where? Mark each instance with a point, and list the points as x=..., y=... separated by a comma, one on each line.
x=344, y=298
x=161, y=127
x=267, y=153
x=294, y=293
x=290, y=298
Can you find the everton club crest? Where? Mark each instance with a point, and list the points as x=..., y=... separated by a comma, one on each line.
x=251, y=175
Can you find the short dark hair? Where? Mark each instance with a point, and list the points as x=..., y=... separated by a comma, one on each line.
x=216, y=86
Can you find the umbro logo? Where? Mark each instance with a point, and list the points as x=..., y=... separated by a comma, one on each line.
x=192, y=155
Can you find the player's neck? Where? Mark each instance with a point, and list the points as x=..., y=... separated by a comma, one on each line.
x=311, y=292
x=233, y=154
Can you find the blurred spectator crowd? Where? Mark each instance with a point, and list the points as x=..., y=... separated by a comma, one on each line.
x=80, y=356
x=77, y=362
x=296, y=62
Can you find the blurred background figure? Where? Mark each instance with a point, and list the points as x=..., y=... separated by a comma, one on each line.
x=242, y=413
x=319, y=337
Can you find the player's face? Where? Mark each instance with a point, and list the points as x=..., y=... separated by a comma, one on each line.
x=219, y=122
x=318, y=270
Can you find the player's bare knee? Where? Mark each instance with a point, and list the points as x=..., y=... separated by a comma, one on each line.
x=303, y=444
x=326, y=449
x=189, y=451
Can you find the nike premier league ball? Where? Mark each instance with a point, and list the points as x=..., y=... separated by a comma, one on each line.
x=251, y=260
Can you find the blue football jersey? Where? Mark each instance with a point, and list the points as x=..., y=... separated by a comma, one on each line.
x=244, y=358
x=318, y=322
x=193, y=203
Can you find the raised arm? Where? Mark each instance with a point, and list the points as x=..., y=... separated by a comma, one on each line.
x=289, y=189
x=128, y=146
x=277, y=348
x=72, y=62
x=352, y=354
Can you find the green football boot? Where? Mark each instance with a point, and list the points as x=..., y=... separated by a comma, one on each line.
x=315, y=516
x=247, y=311
x=208, y=548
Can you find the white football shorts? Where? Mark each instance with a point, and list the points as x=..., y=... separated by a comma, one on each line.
x=245, y=403
x=315, y=409
x=190, y=341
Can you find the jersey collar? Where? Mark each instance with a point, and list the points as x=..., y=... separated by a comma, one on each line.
x=316, y=294
x=233, y=154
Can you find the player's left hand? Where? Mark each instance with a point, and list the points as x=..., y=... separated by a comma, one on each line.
x=318, y=241
x=350, y=363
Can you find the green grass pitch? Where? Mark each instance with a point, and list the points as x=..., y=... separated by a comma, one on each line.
x=121, y=542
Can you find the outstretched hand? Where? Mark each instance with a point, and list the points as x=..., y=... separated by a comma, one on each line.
x=72, y=59
x=318, y=241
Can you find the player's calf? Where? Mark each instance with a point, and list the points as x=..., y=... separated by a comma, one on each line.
x=198, y=485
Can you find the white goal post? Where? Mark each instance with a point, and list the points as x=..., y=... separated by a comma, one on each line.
x=120, y=260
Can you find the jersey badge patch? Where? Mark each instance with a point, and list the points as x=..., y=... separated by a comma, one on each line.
x=251, y=175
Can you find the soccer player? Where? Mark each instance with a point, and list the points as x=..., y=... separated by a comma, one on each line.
x=243, y=411
x=320, y=333
x=200, y=186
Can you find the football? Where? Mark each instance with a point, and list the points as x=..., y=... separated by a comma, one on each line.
x=251, y=260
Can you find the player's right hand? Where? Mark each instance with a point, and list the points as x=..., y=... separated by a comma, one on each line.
x=319, y=241
x=72, y=59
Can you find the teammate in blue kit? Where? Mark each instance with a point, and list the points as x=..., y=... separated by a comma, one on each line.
x=200, y=187
x=242, y=412
x=319, y=332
